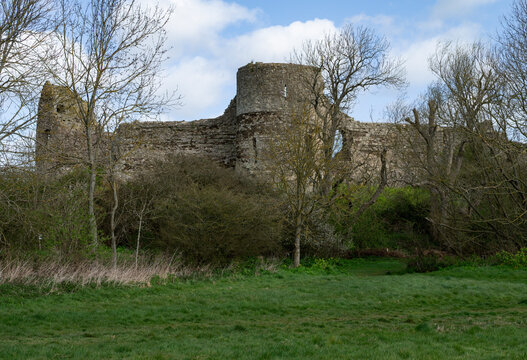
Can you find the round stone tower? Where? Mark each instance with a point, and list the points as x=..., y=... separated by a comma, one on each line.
x=266, y=94
x=271, y=87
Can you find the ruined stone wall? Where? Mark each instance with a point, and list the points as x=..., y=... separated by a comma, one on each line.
x=142, y=143
x=364, y=142
x=266, y=95
x=406, y=150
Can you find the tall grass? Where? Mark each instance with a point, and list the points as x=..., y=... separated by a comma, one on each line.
x=55, y=271
x=85, y=272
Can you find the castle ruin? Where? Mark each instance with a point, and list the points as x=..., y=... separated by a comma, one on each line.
x=265, y=93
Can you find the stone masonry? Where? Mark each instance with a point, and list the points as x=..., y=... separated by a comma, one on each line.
x=265, y=94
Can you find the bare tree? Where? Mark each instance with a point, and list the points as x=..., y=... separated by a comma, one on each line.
x=513, y=60
x=22, y=27
x=139, y=197
x=139, y=203
x=345, y=64
x=507, y=166
x=433, y=155
x=468, y=75
x=449, y=135
x=294, y=157
x=108, y=54
x=473, y=92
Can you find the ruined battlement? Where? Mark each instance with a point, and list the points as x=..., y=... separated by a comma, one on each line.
x=266, y=94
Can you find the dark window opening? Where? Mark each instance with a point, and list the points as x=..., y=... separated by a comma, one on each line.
x=46, y=136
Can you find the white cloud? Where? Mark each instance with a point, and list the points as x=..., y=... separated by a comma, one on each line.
x=193, y=17
x=416, y=61
x=197, y=24
x=201, y=82
x=276, y=43
x=456, y=8
x=378, y=20
x=416, y=54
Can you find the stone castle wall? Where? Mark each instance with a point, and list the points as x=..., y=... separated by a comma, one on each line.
x=365, y=141
x=266, y=94
x=143, y=143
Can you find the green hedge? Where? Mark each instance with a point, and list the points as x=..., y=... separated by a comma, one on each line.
x=396, y=220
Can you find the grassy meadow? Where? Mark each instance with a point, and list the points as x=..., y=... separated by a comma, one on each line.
x=361, y=309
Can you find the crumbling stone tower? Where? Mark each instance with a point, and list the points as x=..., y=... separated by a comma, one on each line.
x=60, y=139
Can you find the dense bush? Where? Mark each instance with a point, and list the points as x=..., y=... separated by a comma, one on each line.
x=209, y=213
x=516, y=260
x=217, y=225
x=185, y=205
x=43, y=215
x=396, y=220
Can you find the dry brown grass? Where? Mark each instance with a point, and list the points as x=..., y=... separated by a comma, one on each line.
x=96, y=272
x=84, y=272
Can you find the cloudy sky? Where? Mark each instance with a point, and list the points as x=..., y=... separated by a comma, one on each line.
x=211, y=39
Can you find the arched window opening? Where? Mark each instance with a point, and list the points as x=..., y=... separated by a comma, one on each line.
x=338, y=143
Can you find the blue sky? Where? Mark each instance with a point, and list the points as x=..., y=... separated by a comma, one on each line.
x=210, y=39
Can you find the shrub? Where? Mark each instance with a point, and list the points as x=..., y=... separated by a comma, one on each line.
x=217, y=225
x=396, y=220
x=40, y=216
x=208, y=213
x=516, y=260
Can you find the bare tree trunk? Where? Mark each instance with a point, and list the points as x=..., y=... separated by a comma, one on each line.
x=108, y=36
x=91, y=187
x=112, y=222
x=139, y=234
x=298, y=233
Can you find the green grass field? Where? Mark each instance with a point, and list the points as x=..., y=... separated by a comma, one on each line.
x=361, y=312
